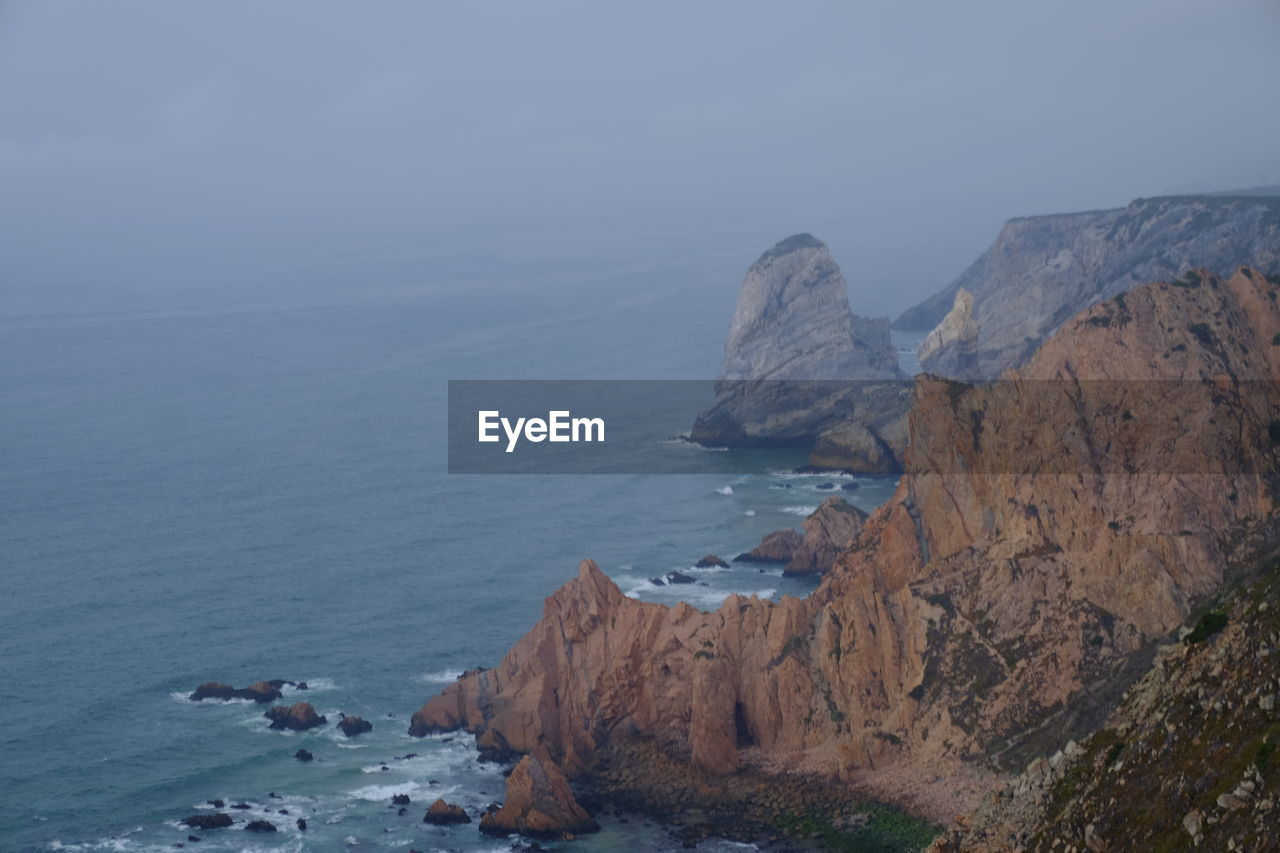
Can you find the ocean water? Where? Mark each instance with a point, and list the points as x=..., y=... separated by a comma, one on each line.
x=237, y=472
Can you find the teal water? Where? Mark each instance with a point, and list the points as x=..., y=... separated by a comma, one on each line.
x=240, y=475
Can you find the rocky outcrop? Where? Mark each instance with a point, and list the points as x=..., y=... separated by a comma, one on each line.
x=298, y=717
x=711, y=561
x=829, y=531
x=1043, y=270
x=851, y=445
x=951, y=348
x=354, y=726
x=792, y=330
x=778, y=547
x=441, y=813
x=1048, y=529
x=262, y=692
x=538, y=804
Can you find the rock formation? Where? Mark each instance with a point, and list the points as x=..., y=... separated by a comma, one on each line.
x=1049, y=528
x=1042, y=270
x=951, y=348
x=353, y=726
x=441, y=813
x=778, y=547
x=711, y=561
x=538, y=804
x=828, y=532
x=262, y=691
x=797, y=360
x=298, y=717
x=217, y=820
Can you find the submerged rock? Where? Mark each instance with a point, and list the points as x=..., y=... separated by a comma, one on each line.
x=298, y=717
x=217, y=820
x=539, y=804
x=444, y=814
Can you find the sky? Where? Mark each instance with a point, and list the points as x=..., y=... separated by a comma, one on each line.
x=902, y=134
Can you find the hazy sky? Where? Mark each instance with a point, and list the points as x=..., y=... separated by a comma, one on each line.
x=901, y=133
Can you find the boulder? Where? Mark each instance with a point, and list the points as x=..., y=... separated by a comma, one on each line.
x=261, y=692
x=304, y=755
x=301, y=823
x=678, y=577
x=539, y=804
x=400, y=800
x=352, y=726
x=711, y=561
x=778, y=547
x=217, y=820
x=444, y=814
x=260, y=826
x=298, y=717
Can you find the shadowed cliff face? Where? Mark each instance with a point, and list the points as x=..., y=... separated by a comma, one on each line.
x=1048, y=527
x=1043, y=270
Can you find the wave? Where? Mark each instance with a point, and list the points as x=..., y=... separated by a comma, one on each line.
x=444, y=676
x=802, y=511
x=725, y=490
x=751, y=513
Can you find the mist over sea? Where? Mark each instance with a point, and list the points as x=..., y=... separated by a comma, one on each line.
x=240, y=475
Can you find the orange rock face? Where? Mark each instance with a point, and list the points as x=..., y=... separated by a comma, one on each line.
x=828, y=532
x=538, y=804
x=1047, y=527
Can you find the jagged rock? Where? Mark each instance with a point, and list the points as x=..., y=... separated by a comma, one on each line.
x=444, y=814
x=951, y=348
x=1043, y=270
x=852, y=446
x=538, y=804
x=828, y=532
x=1193, y=822
x=793, y=325
x=678, y=577
x=993, y=580
x=778, y=547
x=298, y=717
x=353, y=726
x=206, y=822
x=711, y=561
x=400, y=800
x=262, y=692
x=260, y=826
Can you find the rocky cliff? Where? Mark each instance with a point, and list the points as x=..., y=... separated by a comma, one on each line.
x=1043, y=270
x=1048, y=530
x=798, y=361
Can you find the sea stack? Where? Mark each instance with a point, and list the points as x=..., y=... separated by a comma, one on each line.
x=798, y=361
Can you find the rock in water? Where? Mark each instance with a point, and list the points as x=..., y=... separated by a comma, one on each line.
x=778, y=547
x=539, y=804
x=442, y=814
x=260, y=826
x=828, y=532
x=1043, y=270
x=298, y=718
x=217, y=820
x=794, y=329
x=261, y=692
x=711, y=561
x=352, y=726
x=304, y=755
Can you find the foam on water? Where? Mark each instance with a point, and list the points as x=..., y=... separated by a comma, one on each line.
x=444, y=676
x=802, y=511
x=725, y=490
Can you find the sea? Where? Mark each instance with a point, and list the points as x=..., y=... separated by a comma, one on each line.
x=237, y=471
